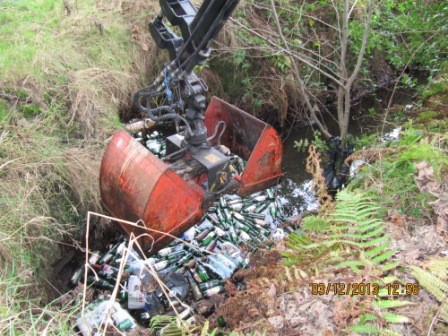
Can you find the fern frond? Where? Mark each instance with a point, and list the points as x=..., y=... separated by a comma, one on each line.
x=389, y=279
x=431, y=283
x=438, y=267
x=352, y=263
x=314, y=223
x=364, y=329
x=385, y=256
x=340, y=228
x=444, y=311
x=360, y=237
x=383, y=292
x=387, y=332
x=395, y=318
x=377, y=250
x=367, y=317
x=386, y=304
x=369, y=225
x=389, y=266
x=205, y=327
x=374, y=242
x=360, y=227
x=371, y=234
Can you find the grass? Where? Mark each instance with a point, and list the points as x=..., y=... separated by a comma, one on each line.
x=16, y=308
x=81, y=54
x=424, y=138
x=67, y=69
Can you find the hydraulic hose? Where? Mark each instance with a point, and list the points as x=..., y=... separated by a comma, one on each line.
x=215, y=132
x=154, y=113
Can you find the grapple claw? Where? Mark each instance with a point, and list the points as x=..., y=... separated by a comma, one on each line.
x=136, y=185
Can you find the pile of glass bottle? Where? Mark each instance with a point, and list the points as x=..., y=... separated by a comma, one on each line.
x=154, y=141
x=193, y=268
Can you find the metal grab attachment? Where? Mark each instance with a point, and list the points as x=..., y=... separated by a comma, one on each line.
x=136, y=185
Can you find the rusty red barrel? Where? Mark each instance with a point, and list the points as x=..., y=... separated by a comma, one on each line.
x=136, y=185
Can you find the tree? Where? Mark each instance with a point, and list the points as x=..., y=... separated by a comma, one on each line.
x=285, y=26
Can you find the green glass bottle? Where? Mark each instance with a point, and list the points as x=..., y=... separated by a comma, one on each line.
x=183, y=260
x=175, y=256
x=272, y=210
x=203, y=275
x=209, y=284
x=195, y=275
x=208, y=239
x=100, y=282
x=195, y=291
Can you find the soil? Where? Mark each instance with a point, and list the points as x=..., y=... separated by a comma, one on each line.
x=72, y=256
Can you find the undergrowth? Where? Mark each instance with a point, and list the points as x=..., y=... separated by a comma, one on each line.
x=351, y=241
x=391, y=173
x=22, y=314
x=405, y=179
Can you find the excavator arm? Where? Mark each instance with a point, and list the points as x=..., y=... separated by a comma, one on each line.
x=197, y=28
x=178, y=82
x=171, y=194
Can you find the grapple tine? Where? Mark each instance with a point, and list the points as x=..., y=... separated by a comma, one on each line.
x=251, y=139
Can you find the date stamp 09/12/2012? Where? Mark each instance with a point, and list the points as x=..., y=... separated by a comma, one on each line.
x=359, y=288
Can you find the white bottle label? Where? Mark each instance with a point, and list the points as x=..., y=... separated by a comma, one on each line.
x=161, y=265
x=244, y=236
x=213, y=291
x=164, y=252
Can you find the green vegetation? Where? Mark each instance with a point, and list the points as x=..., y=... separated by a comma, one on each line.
x=352, y=241
x=76, y=55
x=66, y=70
x=397, y=194
x=23, y=314
x=308, y=58
x=433, y=279
x=412, y=32
x=393, y=175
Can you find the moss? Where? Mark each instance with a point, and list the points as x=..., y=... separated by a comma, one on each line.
x=31, y=110
x=427, y=115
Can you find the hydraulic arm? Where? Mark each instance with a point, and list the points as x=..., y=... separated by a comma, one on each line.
x=183, y=90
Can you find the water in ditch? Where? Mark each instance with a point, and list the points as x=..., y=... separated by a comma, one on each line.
x=295, y=189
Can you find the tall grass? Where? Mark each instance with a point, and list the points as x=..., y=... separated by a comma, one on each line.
x=67, y=68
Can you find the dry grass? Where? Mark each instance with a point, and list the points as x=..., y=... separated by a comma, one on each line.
x=67, y=70
x=85, y=66
x=88, y=57
x=45, y=189
x=94, y=93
